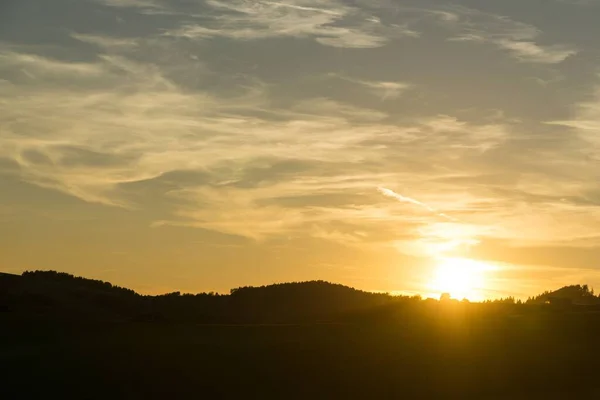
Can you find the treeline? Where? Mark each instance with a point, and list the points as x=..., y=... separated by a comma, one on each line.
x=573, y=295
x=60, y=296
x=568, y=295
x=57, y=295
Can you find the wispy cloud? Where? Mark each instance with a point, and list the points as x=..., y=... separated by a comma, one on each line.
x=586, y=121
x=404, y=199
x=34, y=65
x=132, y=3
x=383, y=89
x=109, y=131
x=106, y=42
x=532, y=52
x=515, y=37
x=386, y=90
x=331, y=23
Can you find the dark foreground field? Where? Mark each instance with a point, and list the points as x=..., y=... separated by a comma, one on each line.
x=542, y=357
x=70, y=338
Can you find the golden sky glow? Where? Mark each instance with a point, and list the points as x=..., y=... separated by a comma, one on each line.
x=462, y=278
x=414, y=146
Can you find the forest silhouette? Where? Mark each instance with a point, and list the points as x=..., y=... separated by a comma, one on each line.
x=73, y=337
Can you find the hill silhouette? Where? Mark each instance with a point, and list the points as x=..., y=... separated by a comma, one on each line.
x=574, y=294
x=61, y=296
x=58, y=295
x=70, y=337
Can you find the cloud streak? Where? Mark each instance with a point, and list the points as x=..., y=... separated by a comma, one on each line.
x=586, y=122
x=516, y=38
x=131, y=3
x=330, y=23
x=385, y=90
x=404, y=199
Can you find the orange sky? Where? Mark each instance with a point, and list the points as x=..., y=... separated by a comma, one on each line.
x=205, y=145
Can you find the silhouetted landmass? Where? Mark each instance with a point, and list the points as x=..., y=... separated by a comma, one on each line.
x=66, y=297
x=569, y=295
x=68, y=337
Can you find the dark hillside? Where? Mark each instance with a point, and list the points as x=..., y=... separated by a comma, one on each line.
x=49, y=294
x=568, y=295
x=69, y=337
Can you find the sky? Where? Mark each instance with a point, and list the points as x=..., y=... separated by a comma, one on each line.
x=201, y=145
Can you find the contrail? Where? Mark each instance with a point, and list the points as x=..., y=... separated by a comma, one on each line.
x=404, y=199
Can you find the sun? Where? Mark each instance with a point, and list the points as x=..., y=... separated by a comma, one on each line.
x=461, y=277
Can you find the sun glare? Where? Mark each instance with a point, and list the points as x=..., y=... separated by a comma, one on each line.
x=461, y=277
